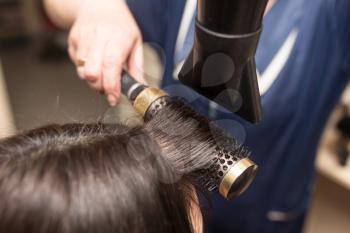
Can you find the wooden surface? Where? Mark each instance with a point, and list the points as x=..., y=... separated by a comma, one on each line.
x=328, y=166
x=6, y=119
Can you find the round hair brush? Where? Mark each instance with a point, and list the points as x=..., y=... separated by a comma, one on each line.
x=177, y=127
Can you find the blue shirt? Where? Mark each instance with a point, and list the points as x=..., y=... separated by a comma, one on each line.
x=304, y=63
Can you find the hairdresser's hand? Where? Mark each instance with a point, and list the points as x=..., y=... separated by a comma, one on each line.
x=104, y=37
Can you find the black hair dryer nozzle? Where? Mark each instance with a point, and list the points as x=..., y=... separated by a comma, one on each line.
x=221, y=65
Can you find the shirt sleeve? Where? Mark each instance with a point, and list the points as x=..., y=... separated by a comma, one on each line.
x=151, y=16
x=339, y=15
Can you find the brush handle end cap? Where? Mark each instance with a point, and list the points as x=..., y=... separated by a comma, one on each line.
x=238, y=179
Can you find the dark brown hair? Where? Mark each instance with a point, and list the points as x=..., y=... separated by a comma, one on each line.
x=96, y=178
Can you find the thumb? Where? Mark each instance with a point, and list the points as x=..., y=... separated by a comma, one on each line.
x=135, y=62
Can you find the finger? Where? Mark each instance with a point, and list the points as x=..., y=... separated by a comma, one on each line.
x=94, y=59
x=72, y=48
x=135, y=62
x=82, y=51
x=72, y=54
x=111, y=71
x=72, y=45
x=72, y=51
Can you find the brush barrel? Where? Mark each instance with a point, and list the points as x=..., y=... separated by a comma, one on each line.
x=230, y=173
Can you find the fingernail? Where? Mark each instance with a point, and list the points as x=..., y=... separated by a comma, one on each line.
x=112, y=100
x=80, y=71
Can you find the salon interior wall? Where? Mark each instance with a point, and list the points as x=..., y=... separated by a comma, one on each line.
x=7, y=126
x=43, y=91
x=31, y=15
x=330, y=206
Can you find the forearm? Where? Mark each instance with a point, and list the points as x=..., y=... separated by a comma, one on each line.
x=63, y=12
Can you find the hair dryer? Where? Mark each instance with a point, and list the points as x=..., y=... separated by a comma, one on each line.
x=221, y=65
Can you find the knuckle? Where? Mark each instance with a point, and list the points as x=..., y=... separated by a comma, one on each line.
x=73, y=35
x=110, y=61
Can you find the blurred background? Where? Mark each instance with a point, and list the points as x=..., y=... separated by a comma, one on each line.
x=38, y=85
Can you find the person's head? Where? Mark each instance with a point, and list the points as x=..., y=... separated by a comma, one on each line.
x=93, y=179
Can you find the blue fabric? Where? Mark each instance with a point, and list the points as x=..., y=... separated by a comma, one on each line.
x=159, y=21
x=295, y=107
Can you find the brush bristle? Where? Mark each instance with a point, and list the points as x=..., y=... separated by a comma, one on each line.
x=189, y=139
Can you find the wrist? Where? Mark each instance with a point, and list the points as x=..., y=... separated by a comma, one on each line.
x=62, y=12
x=105, y=8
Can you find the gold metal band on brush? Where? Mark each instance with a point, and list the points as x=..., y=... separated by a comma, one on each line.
x=233, y=174
x=146, y=98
